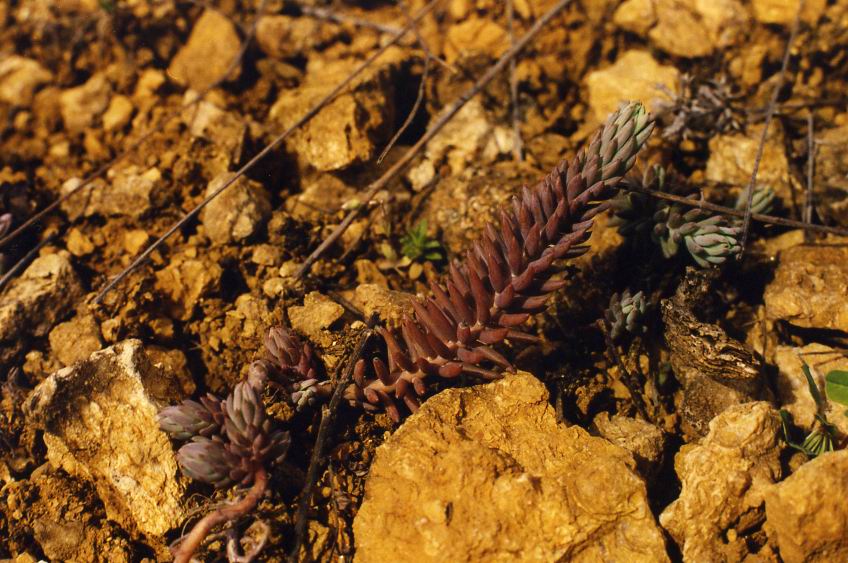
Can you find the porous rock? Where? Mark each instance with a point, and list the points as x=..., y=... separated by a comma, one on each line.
x=635, y=75
x=75, y=339
x=238, y=212
x=20, y=77
x=185, y=281
x=806, y=514
x=128, y=193
x=783, y=11
x=36, y=301
x=100, y=425
x=118, y=114
x=210, y=50
x=281, y=36
x=83, y=104
x=793, y=392
x=724, y=481
x=644, y=440
x=809, y=288
x=732, y=159
x=389, y=306
x=487, y=474
x=475, y=36
x=224, y=129
x=348, y=129
x=315, y=316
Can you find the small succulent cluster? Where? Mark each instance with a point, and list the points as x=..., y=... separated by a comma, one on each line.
x=708, y=239
x=701, y=109
x=507, y=275
x=229, y=440
x=626, y=314
x=294, y=364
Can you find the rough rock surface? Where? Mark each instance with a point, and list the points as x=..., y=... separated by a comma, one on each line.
x=809, y=288
x=725, y=479
x=831, y=170
x=36, y=301
x=238, y=213
x=100, y=424
x=315, y=316
x=128, y=193
x=282, y=36
x=732, y=159
x=211, y=48
x=225, y=130
x=644, y=440
x=20, y=77
x=793, y=391
x=487, y=474
x=83, y=104
x=347, y=130
x=783, y=11
x=389, y=306
x=186, y=281
x=635, y=75
x=688, y=28
x=807, y=515
x=75, y=339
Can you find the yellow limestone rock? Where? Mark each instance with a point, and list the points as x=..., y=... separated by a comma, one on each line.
x=487, y=474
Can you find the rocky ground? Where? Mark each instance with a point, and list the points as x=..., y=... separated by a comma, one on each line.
x=665, y=445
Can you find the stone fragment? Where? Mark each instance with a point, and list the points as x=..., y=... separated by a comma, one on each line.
x=82, y=105
x=100, y=425
x=211, y=48
x=806, y=514
x=118, y=114
x=636, y=16
x=831, y=171
x=128, y=194
x=315, y=316
x=635, y=75
x=732, y=160
x=487, y=474
x=78, y=243
x=783, y=11
x=237, y=213
x=644, y=440
x=348, y=130
x=475, y=36
x=46, y=291
x=283, y=37
x=324, y=195
x=186, y=281
x=793, y=392
x=20, y=78
x=809, y=288
x=389, y=306
x=725, y=479
x=222, y=128
x=75, y=340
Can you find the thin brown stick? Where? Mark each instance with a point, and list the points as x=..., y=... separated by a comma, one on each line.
x=243, y=506
x=415, y=107
x=144, y=137
x=328, y=417
x=420, y=39
x=19, y=265
x=318, y=12
x=768, y=219
x=446, y=115
x=517, y=143
x=811, y=159
x=313, y=111
x=772, y=106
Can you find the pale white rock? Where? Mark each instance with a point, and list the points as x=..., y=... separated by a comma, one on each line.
x=82, y=105
x=238, y=212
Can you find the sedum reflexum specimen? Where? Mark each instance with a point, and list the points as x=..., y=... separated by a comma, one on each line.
x=505, y=276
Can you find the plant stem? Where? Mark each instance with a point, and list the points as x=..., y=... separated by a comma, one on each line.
x=187, y=547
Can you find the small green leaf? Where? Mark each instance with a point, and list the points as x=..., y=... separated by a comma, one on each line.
x=814, y=389
x=836, y=386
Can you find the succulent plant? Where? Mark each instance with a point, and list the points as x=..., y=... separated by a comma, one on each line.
x=626, y=313
x=294, y=361
x=762, y=202
x=229, y=440
x=699, y=109
x=505, y=276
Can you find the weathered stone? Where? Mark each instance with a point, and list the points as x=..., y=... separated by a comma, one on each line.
x=831, y=171
x=793, y=390
x=315, y=316
x=324, y=195
x=75, y=340
x=237, y=213
x=224, y=129
x=725, y=479
x=475, y=36
x=348, y=130
x=20, y=78
x=635, y=75
x=644, y=440
x=118, y=114
x=783, y=11
x=487, y=474
x=809, y=288
x=100, y=425
x=637, y=16
x=186, y=281
x=129, y=194
x=46, y=291
x=806, y=514
x=282, y=36
x=211, y=48
x=389, y=306
x=732, y=160
x=80, y=106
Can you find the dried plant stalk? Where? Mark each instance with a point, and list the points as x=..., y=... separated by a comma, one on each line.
x=506, y=275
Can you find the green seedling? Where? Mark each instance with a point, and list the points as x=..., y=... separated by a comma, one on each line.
x=417, y=244
x=820, y=440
